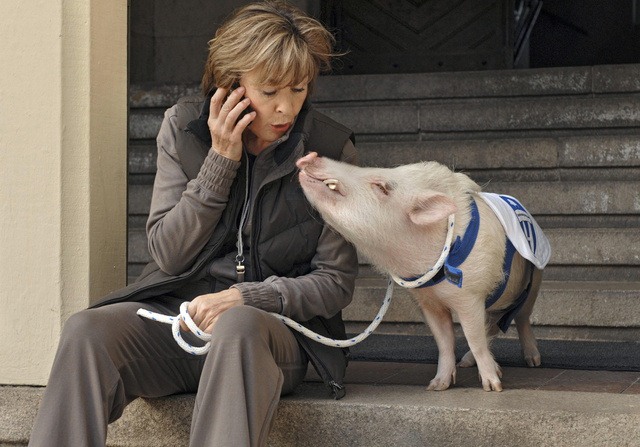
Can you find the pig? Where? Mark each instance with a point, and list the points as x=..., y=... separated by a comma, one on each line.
x=398, y=219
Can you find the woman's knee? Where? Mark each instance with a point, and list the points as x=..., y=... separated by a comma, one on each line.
x=92, y=328
x=80, y=326
x=242, y=322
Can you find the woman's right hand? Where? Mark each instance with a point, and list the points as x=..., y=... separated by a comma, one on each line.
x=226, y=130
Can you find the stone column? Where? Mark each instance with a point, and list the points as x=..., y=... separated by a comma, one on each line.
x=63, y=129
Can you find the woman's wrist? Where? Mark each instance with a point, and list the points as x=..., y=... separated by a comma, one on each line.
x=218, y=173
x=260, y=295
x=232, y=155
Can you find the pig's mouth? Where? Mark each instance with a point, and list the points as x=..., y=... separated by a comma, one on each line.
x=331, y=183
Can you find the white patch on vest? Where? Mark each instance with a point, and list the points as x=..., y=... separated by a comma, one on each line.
x=521, y=228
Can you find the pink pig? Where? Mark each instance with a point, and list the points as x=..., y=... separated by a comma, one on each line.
x=398, y=219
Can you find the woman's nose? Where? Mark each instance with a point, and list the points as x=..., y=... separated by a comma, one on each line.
x=285, y=106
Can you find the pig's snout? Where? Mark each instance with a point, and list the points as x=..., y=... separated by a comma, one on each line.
x=311, y=171
x=306, y=160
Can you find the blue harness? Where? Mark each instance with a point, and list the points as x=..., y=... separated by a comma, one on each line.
x=459, y=252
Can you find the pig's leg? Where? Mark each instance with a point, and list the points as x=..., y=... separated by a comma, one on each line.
x=472, y=320
x=468, y=360
x=523, y=323
x=440, y=322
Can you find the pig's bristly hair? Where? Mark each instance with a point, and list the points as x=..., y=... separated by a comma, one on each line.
x=435, y=176
x=387, y=239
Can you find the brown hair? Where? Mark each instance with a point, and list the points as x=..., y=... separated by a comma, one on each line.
x=282, y=42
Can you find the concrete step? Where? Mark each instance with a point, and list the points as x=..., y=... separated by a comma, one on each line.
x=554, y=198
x=541, y=82
x=586, y=246
x=439, y=106
x=387, y=404
x=551, y=158
x=491, y=115
x=594, y=310
x=558, y=157
x=451, y=119
x=588, y=355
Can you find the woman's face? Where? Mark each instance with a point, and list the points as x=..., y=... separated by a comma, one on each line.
x=276, y=108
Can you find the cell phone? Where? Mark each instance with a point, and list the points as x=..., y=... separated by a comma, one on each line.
x=248, y=109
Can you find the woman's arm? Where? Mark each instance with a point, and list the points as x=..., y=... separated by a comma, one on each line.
x=326, y=290
x=184, y=213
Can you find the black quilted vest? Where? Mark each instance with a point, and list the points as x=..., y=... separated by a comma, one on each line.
x=283, y=222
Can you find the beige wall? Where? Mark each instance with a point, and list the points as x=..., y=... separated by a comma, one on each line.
x=62, y=171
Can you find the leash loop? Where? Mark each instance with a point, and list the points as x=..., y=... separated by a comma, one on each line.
x=200, y=350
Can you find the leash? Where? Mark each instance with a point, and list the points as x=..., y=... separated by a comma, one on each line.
x=201, y=350
x=417, y=282
x=174, y=321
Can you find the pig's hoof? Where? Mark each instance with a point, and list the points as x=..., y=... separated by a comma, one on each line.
x=491, y=385
x=438, y=384
x=532, y=359
x=492, y=380
x=530, y=351
x=468, y=360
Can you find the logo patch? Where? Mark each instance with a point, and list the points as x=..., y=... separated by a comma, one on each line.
x=526, y=221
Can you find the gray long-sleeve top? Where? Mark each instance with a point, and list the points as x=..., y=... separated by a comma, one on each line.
x=184, y=213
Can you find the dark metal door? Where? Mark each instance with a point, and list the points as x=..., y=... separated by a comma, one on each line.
x=408, y=36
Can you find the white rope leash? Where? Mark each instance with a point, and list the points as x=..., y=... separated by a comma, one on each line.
x=412, y=284
x=200, y=350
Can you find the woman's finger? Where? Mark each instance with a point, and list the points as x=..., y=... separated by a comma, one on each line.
x=209, y=328
x=217, y=100
x=234, y=116
x=230, y=103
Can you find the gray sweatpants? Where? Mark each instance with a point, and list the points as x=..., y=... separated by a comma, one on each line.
x=109, y=356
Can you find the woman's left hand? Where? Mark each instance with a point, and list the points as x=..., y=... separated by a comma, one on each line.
x=205, y=309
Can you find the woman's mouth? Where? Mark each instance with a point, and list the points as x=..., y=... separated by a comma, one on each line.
x=281, y=127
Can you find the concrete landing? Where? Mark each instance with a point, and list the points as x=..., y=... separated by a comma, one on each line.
x=387, y=405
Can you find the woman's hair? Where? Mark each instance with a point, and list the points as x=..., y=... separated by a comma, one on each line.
x=285, y=45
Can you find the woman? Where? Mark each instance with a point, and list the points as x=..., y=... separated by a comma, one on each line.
x=230, y=231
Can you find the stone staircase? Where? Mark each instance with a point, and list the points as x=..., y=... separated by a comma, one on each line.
x=565, y=141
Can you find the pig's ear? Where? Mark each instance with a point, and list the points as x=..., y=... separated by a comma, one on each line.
x=430, y=208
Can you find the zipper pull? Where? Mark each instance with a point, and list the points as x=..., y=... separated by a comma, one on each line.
x=338, y=390
x=240, y=269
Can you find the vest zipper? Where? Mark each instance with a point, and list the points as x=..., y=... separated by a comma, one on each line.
x=337, y=389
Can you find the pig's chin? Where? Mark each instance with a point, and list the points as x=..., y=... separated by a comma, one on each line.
x=319, y=195
x=387, y=255
x=362, y=239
